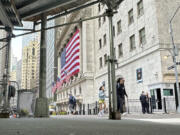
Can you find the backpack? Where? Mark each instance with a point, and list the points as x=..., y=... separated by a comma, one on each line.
x=72, y=100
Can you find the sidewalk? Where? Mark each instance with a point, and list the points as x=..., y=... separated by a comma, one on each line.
x=133, y=116
x=172, y=119
x=151, y=116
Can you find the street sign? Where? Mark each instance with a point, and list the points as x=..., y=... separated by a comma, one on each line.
x=171, y=67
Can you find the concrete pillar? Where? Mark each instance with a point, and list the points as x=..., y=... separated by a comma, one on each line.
x=115, y=114
x=41, y=108
x=6, y=106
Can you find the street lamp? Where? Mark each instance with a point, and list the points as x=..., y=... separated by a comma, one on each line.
x=175, y=53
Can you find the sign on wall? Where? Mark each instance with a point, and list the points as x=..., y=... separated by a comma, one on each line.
x=139, y=75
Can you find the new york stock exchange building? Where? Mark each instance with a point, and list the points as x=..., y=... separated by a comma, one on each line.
x=142, y=44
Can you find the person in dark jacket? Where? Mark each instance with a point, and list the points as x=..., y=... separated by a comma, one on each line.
x=121, y=93
x=143, y=102
x=72, y=104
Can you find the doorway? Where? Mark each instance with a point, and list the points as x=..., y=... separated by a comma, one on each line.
x=159, y=99
x=156, y=99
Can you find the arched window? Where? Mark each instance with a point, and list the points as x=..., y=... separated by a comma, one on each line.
x=33, y=51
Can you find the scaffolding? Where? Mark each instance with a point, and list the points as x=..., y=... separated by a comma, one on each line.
x=12, y=12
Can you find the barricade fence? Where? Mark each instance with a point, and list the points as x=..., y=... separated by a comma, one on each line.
x=165, y=105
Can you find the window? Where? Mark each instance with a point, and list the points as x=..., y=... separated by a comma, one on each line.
x=100, y=43
x=142, y=36
x=100, y=62
x=114, y=31
x=104, y=19
x=120, y=50
x=99, y=7
x=105, y=39
x=140, y=8
x=131, y=18
x=119, y=29
x=132, y=43
x=168, y=92
x=33, y=51
x=99, y=22
x=105, y=59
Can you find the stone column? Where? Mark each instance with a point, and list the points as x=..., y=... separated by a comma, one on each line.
x=41, y=108
x=6, y=106
x=115, y=114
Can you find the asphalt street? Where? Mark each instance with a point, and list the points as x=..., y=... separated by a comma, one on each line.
x=84, y=126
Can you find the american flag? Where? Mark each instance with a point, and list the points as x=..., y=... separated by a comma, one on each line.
x=70, y=58
x=54, y=87
x=58, y=83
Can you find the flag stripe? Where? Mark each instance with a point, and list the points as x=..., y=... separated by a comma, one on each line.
x=72, y=71
x=75, y=41
x=73, y=49
x=70, y=67
x=72, y=40
x=70, y=62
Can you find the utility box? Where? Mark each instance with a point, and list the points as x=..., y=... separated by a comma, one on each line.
x=26, y=101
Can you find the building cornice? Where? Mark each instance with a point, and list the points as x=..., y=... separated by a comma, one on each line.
x=79, y=81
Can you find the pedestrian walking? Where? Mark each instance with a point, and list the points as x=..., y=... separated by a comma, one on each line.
x=72, y=104
x=147, y=102
x=121, y=93
x=143, y=102
x=102, y=104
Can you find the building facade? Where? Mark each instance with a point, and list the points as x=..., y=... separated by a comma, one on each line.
x=80, y=85
x=142, y=41
x=25, y=42
x=50, y=35
x=27, y=38
x=29, y=65
x=142, y=45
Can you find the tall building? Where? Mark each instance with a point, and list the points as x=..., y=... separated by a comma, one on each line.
x=25, y=42
x=28, y=38
x=29, y=65
x=142, y=45
x=50, y=35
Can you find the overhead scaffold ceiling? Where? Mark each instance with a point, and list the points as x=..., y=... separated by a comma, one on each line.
x=13, y=12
